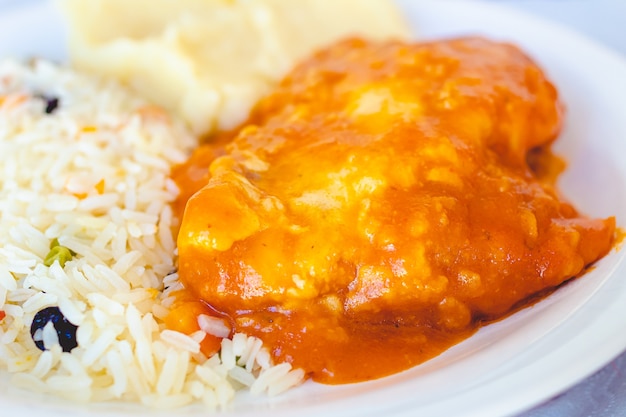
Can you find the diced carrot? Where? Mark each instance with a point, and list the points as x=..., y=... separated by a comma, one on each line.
x=100, y=186
x=13, y=100
x=153, y=112
x=210, y=345
x=2, y=315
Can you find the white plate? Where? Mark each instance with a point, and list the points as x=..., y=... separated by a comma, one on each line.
x=509, y=366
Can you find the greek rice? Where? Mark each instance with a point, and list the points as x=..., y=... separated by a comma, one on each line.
x=85, y=167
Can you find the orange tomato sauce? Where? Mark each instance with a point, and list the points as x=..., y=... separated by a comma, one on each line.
x=383, y=203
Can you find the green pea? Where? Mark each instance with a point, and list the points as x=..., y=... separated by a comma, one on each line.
x=58, y=253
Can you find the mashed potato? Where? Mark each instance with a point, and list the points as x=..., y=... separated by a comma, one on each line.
x=211, y=60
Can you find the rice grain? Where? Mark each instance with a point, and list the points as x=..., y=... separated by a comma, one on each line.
x=94, y=176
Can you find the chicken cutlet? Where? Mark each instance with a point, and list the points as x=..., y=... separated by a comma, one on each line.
x=379, y=206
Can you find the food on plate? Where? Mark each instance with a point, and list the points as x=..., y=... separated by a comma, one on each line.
x=378, y=206
x=211, y=60
x=87, y=251
x=382, y=203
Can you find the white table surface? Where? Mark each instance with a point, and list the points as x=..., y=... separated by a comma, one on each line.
x=604, y=393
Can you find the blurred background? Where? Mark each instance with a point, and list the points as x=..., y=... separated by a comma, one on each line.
x=601, y=20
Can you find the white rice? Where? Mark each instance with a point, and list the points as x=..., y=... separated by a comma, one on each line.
x=93, y=174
